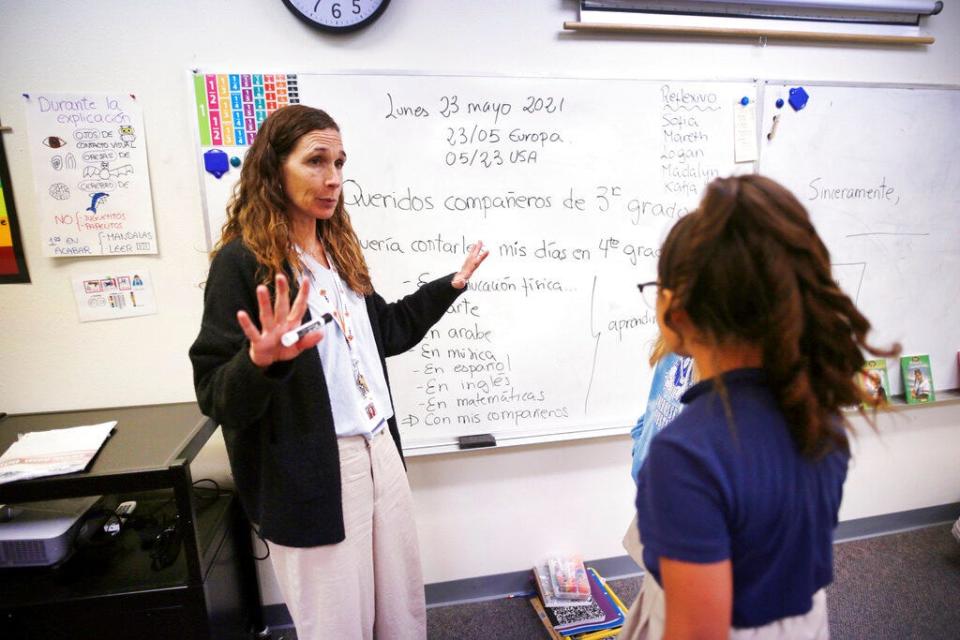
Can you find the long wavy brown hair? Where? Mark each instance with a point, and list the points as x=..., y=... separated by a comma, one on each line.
x=257, y=210
x=748, y=267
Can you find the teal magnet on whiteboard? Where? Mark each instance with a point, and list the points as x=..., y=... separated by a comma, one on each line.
x=215, y=162
x=798, y=98
x=234, y=161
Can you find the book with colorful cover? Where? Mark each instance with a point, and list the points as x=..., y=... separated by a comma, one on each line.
x=607, y=590
x=873, y=379
x=613, y=614
x=610, y=631
x=917, y=379
x=610, y=592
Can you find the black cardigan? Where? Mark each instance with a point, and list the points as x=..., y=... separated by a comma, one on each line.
x=277, y=424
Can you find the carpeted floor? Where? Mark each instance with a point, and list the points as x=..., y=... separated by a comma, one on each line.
x=895, y=587
x=899, y=586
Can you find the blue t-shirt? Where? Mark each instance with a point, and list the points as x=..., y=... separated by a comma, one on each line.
x=671, y=377
x=712, y=491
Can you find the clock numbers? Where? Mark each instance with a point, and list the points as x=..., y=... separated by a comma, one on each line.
x=336, y=11
x=337, y=15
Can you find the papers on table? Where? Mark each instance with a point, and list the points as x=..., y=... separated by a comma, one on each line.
x=50, y=453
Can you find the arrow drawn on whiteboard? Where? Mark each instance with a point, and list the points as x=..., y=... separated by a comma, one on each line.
x=850, y=277
x=596, y=346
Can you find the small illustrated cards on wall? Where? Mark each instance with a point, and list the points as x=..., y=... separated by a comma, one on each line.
x=114, y=295
x=90, y=172
x=917, y=379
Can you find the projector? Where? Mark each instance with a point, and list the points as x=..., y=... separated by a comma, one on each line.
x=40, y=534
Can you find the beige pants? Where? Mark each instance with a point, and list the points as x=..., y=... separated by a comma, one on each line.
x=645, y=618
x=647, y=615
x=371, y=584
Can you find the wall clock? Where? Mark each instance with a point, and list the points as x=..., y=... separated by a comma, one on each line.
x=337, y=16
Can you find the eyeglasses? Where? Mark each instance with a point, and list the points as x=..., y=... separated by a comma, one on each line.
x=648, y=291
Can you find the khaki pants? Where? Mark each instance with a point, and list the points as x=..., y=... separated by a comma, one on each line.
x=646, y=618
x=371, y=584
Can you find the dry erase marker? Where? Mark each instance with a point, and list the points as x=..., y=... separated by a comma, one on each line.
x=291, y=338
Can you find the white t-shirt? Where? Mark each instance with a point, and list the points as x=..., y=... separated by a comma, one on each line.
x=346, y=401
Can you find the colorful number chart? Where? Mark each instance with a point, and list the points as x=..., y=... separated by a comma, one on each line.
x=231, y=107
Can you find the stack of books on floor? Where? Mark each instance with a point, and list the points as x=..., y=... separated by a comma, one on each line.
x=574, y=602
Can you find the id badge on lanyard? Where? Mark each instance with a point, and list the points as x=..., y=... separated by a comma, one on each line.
x=368, y=403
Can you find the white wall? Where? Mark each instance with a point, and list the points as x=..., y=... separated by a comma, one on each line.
x=479, y=513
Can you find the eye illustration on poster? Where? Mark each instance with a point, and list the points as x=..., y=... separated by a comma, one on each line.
x=13, y=265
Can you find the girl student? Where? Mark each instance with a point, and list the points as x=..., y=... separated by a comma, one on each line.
x=738, y=499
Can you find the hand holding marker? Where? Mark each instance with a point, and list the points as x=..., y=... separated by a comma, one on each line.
x=276, y=319
x=291, y=338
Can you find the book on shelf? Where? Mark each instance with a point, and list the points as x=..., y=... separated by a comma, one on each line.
x=917, y=379
x=875, y=382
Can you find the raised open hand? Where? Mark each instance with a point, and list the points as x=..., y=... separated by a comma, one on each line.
x=476, y=256
x=275, y=320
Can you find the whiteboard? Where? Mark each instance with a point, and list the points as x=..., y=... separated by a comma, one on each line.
x=571, y=183
x=877, y=168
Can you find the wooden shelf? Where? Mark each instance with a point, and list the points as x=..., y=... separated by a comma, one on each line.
x=753, y=34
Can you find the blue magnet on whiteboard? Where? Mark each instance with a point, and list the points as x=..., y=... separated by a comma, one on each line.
x=234, y=161
x=779, y=103
x=798, y=98
x=744, y=100
x=215, y=162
